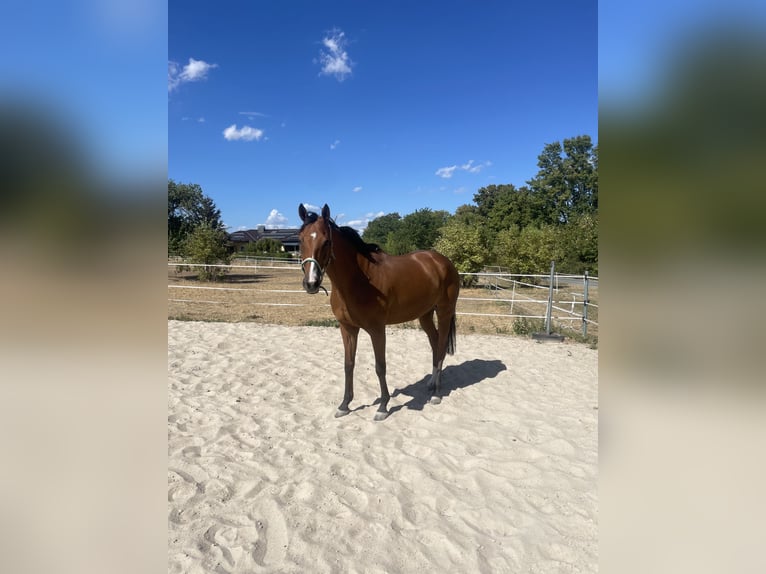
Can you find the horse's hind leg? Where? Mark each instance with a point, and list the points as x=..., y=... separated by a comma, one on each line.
x=444, y=345
x=350, y=336
x=427, y=322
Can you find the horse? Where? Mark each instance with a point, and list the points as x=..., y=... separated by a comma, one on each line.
x=372, y=289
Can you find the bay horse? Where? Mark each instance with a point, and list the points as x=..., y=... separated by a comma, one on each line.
x=371, y=289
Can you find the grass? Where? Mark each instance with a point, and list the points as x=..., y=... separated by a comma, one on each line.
x=525, y=326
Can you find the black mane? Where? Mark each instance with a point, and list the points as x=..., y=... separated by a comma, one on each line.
x=366, y=249
x=349, y=233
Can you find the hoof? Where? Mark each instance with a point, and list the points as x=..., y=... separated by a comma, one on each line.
x=435, y=400
x=341, y=413
x=380, y=416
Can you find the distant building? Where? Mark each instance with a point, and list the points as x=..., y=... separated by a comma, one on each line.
x=288, y=237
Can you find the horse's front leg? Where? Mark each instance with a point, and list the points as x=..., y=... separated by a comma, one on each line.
x=379, y=347
x=350, y=335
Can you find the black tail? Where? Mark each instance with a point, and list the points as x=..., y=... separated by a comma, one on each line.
x=452, y=335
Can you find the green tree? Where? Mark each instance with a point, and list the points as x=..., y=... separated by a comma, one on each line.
x=581, y=174
x=579, y=245
x=397, y=244
x=462, y=243
x=208, y=246
x=266, y=246
x=468, y=215
x=188, y=208
x=418, y=230
x=528, y=250
x=503, y=206
x=379, y=228
x=566, y=184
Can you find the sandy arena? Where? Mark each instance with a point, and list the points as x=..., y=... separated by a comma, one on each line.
x=500, y=477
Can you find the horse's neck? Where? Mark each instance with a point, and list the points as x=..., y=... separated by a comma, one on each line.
x=348, y=267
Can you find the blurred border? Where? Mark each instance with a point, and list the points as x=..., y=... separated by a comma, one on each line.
x=83, y=170
x=83, y=115
x=682, y=136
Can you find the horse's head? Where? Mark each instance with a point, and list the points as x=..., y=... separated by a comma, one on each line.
x=316, y=247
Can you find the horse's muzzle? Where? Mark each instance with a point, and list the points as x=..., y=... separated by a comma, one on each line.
x=312, y=277
x=312, y=287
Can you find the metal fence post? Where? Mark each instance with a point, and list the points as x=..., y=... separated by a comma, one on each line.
x=550, y=300
x=513, y=296
x=585, y=305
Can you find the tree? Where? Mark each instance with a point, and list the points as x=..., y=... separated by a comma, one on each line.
x=418, y=230
x=266, y=246
x=529, y=250
x=549, y=186
x=566, y=185
x=463, y=244
x=579, y=244
x=379, y=228
x=503, y=206
x=208, y=246
x=581, y=175
x=469, y=215
x=188, y=208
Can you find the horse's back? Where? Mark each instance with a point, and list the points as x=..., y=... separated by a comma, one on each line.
x=440, y=266
x=417, y=282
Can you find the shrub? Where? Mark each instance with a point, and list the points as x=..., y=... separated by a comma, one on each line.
x=207, y=246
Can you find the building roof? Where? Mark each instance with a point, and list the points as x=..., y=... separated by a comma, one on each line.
x=286, y=236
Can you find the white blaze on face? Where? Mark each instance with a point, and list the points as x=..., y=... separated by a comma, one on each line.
x=313, y=272
x=313, y=267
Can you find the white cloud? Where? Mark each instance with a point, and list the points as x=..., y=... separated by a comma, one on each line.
x=334, y=58
x=194, y=71
x=357, y=189
x=254, y=114
x=275, y=219
x=470, y=168
x=245, y=133
x=446, y=172
x=173, y=80
x=361, y=224
x=334, y=144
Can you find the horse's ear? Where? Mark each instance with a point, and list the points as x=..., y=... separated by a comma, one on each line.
x=302, y=212
x=326, y=211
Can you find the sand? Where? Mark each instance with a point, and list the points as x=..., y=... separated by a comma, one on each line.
x=499, y=477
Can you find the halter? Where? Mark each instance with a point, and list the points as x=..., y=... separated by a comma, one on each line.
x=319, y=266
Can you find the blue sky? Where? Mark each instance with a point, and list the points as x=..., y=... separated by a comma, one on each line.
x=638, y=41
x=98, y=69
x=371, y=107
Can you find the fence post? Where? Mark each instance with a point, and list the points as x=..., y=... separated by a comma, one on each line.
x=513, y=296
x=550, y=300
x=585, y=305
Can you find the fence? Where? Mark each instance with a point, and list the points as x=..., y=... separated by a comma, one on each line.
x=563, y=301
x=563, y=298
